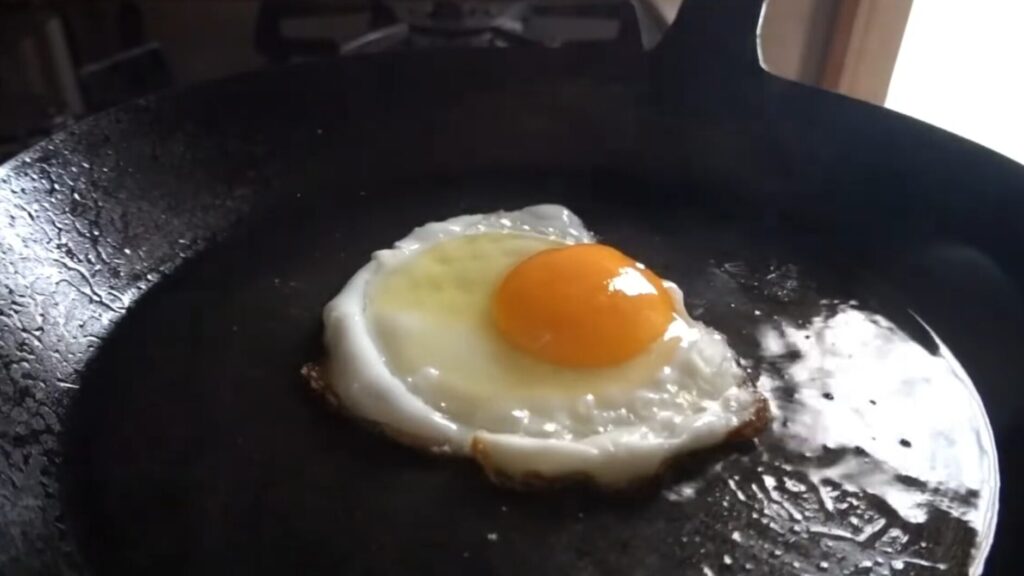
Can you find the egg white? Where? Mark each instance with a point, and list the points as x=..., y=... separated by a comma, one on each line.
x=693, y=397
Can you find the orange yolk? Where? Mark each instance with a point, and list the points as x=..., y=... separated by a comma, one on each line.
x=586, y=305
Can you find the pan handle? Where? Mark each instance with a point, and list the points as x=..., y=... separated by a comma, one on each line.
x=718, y=38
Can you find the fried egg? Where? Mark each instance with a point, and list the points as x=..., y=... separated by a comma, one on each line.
x=515, y=339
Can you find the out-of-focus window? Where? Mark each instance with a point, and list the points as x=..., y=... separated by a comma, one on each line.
x=961, y=67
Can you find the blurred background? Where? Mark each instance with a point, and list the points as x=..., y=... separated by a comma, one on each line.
x=953, y=63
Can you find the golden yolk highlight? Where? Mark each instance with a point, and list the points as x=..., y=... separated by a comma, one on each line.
x=586, y=305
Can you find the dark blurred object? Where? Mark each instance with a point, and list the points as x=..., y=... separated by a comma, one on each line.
x=136, y=69
x=414, y=24
x=35, y=94
x=61, y=61
x=125, y=76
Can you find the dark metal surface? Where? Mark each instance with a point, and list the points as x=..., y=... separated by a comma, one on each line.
x=196, y=448
x=193, y=447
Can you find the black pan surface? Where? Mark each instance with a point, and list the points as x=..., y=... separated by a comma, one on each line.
x=170, y=260
x=196, y=445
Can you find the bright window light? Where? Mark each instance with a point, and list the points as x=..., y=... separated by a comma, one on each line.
x=961, y=67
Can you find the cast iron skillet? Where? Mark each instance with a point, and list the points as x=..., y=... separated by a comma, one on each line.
x=164, y=266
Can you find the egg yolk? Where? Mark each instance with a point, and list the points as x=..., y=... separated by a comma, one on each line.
x=585, y=305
